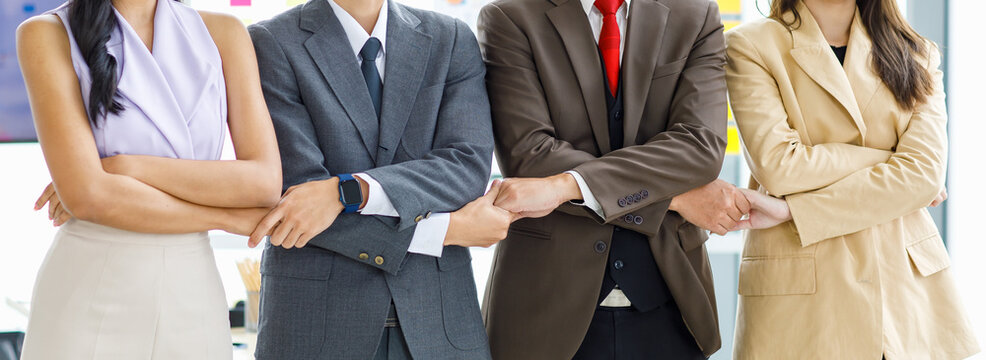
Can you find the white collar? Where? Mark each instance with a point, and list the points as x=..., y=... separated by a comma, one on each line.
x=354, y=31
x=587, y=5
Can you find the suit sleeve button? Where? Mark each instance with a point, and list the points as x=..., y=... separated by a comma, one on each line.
x=364, y=256
x=644, y=193
x=638, y=220
x=419, y=218
x=637, y=198
x=622, y=202
x=628, y=219
x=378, y=260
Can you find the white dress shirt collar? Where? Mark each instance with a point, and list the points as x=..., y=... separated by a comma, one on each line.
x=588, y=6
x=355, y=32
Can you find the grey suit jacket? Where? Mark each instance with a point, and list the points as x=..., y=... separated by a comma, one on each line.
x=431, y=151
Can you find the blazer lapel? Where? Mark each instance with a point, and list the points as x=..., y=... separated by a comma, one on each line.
x=644, y=38
x=408, y=51
x=572, y=25
x=331, y=52
x=814, y=55
x=863, y=79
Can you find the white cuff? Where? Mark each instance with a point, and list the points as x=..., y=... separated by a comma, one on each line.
x=588, y=200
x=429, y=235
x=377, y=201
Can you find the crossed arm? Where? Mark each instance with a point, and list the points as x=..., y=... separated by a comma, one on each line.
x=133, y=192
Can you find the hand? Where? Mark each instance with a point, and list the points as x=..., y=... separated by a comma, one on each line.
x=537, y=197
x=480, y=223
x=244, y=221
x=942, y=196
x=766, y=212
x=717, y=206
x=305, y=210
x=56, y=212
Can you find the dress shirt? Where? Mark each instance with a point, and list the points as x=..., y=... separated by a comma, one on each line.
x=429, y=234
x=596, y=23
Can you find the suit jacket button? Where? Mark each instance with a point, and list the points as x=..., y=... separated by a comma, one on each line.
x=629, y=199
x=419, y=218
x=637, y=198
x=644, y=193
x=638, y=220
x=364, y=256
x=600, y=247
x=378, y=260
x=618, y=265
x=628, y=219
x=623, y=202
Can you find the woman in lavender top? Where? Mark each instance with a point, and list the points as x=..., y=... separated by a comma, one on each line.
x=131, y=100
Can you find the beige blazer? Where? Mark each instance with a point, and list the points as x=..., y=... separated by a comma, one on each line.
x=861, y=271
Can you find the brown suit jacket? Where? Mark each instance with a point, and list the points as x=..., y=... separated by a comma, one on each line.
x=549, y=114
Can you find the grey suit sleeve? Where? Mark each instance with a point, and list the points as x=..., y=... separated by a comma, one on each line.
x=302, y=161
x=457, y=168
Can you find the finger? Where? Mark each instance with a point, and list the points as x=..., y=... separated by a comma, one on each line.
x=734, y=213
x=291, y=239
x=742, y=203
x=280, y=233
x=53, y=203
x=494, y=191
x=719, y=230
x=303, y=240
x=59, y=210
x=265, y=226
x=64, y=218
x=727, y=223
x=45, y=195
x=743, y=225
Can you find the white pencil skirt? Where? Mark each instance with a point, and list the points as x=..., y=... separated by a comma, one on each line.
x=106, y=293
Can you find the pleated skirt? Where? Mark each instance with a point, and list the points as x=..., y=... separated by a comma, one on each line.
x=106, y=293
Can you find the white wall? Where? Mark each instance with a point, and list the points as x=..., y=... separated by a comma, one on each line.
x=967, y=166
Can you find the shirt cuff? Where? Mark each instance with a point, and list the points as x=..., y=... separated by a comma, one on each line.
x=429, y=235
x=377, y=201
x=588, y=200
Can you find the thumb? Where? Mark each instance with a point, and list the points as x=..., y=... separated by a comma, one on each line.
x=752, y=196
x=494, y=191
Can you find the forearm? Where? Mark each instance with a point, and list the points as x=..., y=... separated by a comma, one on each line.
x=347, y=237
x=125, y=203
x=219, y=183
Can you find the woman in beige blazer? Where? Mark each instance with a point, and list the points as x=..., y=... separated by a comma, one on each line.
x=848, y=263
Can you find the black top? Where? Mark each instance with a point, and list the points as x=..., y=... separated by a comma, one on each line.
x=840, y=52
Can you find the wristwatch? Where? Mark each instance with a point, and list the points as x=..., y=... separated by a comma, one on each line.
x=350, y=193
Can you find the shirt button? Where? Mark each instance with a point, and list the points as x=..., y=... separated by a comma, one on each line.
x=364, y=256
x=618, y=265
x=600, y=247
x=378, y=260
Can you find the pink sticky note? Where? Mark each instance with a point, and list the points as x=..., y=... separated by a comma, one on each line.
x=239, y=2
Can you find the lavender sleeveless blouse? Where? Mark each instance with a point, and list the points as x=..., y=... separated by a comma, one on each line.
x=174, y=99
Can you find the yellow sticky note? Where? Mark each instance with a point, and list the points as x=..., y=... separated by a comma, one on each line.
x=732, y=140
x=729, y=7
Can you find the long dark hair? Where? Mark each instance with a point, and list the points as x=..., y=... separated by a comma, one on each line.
x=897, y=48
x=92, y=22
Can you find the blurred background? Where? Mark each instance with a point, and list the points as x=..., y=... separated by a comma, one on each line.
x=954, y=24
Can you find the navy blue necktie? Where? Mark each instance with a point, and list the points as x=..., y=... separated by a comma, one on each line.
x=370, y=72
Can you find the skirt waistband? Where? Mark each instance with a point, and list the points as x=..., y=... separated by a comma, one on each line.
x=92, y=231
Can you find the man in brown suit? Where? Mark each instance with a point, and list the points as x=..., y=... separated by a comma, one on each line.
x=615, y=145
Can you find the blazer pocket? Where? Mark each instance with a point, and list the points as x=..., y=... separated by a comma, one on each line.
x=670, y=68
x=777, y=276
x=528, y=233
x=929, y=255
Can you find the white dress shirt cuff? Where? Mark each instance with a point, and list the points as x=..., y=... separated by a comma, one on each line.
x=429, y=235
x=588, y=200
x=377, y=201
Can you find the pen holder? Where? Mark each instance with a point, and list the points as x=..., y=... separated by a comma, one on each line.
x=252, y=314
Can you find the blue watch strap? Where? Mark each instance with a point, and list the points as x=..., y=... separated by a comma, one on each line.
x=349, y=208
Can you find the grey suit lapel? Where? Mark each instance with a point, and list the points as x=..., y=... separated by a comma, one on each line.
x=408, y=51
x=330, y=49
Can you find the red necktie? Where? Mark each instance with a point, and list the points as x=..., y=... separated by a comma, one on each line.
x=609, y=41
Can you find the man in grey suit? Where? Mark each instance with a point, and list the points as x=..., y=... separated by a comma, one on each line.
x=384, y=129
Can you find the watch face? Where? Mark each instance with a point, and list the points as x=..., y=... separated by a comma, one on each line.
x=350, y=192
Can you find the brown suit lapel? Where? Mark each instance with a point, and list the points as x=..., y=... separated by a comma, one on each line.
x=573, y=26
x=644, y=39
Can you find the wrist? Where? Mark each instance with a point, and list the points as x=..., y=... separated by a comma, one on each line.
x=450, y=234
x=567, y=186
x=332, y=191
